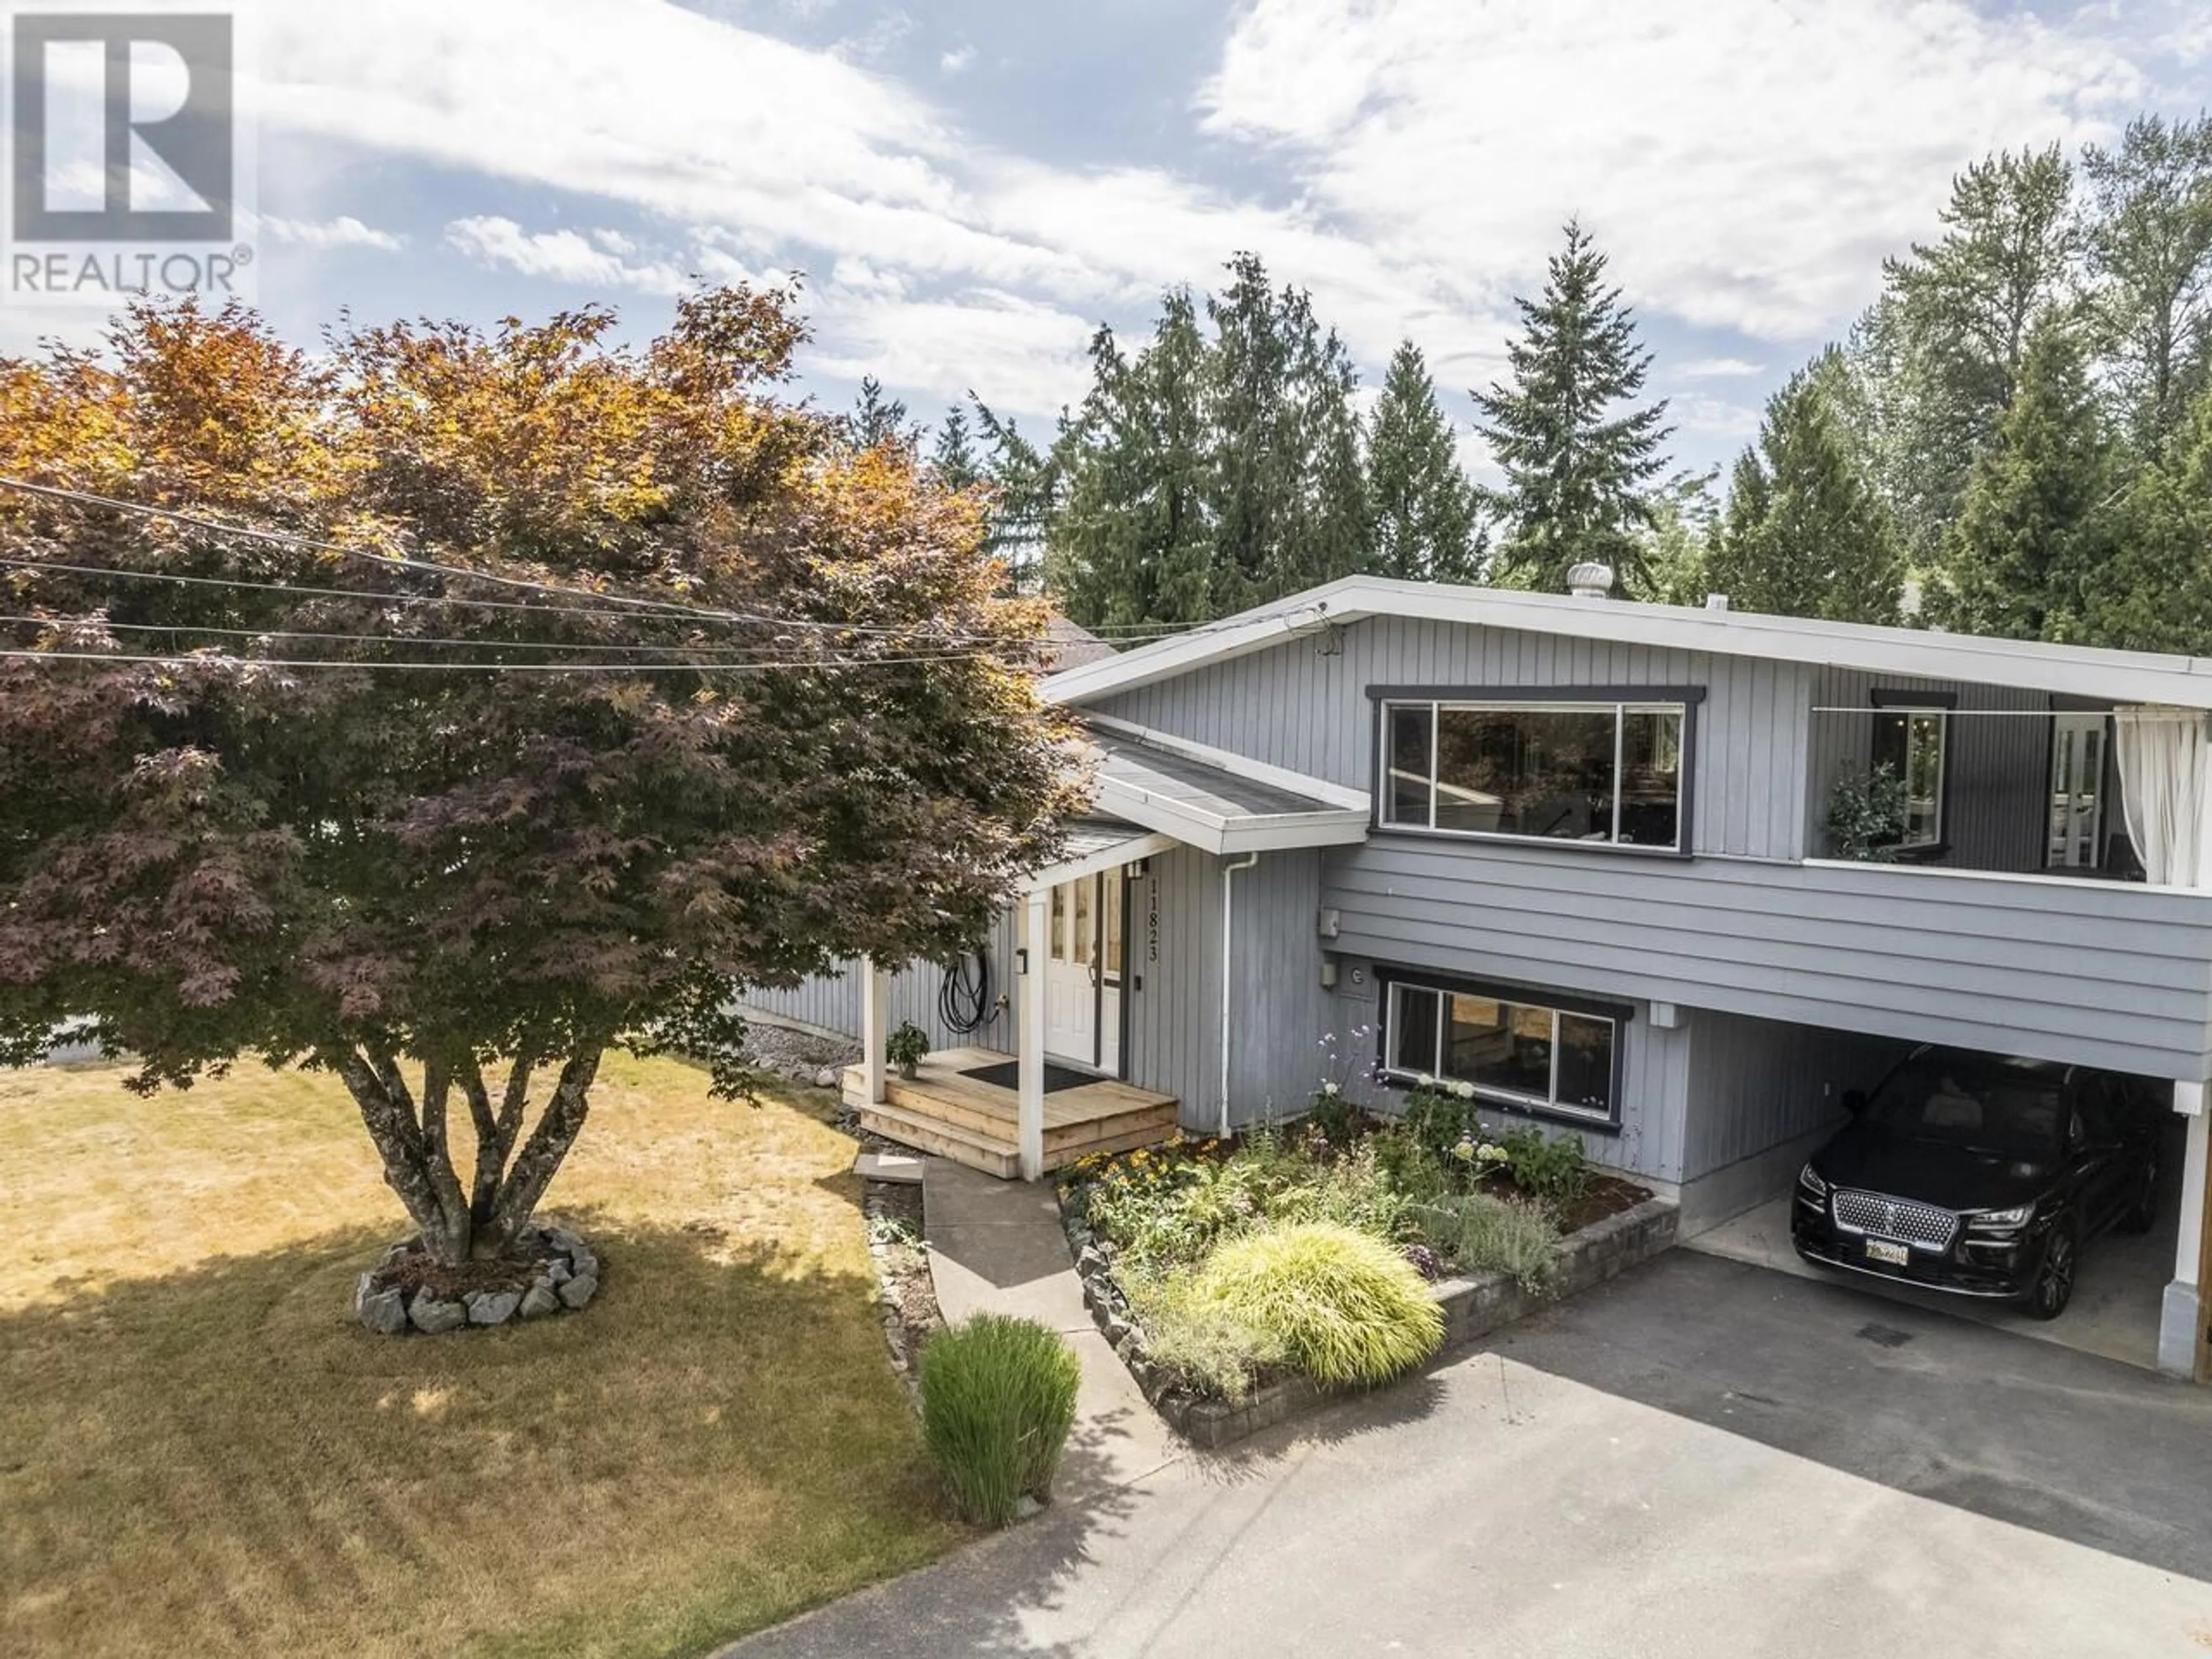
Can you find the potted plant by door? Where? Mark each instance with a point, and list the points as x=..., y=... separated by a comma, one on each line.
x=905, y=1049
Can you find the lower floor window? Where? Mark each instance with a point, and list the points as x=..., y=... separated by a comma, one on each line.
x=1515, y=1051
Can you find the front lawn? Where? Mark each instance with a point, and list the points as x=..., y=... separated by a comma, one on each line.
x=202, y=1453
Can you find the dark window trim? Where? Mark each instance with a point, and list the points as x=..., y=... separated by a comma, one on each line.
x=1380, y=697
x=1899, y=700
x=1683, y=694
x=1622, y=1014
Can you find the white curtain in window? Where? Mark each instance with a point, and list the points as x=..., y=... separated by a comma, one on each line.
x=2164, y=774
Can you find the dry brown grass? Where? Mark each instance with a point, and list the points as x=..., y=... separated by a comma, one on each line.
x=201, y=1453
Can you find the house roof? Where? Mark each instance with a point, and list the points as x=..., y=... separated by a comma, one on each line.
x=1070, y=645
x=2121, y=675
x=1183, y=790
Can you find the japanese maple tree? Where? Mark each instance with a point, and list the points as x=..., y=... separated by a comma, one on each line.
x=747, y=701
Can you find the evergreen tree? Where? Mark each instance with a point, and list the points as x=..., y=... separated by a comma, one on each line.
x=1804, y=535
x=1576, y=466
x=1025, y=487
x=2153, y=590
x=1130, y=543
x=1675, y=567
x=954, y=459
x=2148, y=239
x=877, y=420
x=2036, y=519
x=1422, y=505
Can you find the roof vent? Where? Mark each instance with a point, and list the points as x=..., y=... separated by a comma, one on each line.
x=1717, y=602
x=1589, y=580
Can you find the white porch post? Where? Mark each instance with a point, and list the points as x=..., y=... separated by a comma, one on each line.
x=2182, y=1316
x=875, y=1029
x=1029, y=1038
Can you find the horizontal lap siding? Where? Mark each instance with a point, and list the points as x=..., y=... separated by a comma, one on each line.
x=1304, y=705
x=2103, y=974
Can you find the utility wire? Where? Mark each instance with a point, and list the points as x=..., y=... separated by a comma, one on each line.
x=187, y=659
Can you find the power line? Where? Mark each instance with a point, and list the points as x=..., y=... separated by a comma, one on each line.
x=799, y=665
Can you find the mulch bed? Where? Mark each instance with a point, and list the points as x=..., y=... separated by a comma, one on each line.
x=1605, y=1195
x=908, y=1296
x=414, y=1271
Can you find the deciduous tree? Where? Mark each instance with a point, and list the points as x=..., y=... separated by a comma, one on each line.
x=582, y=687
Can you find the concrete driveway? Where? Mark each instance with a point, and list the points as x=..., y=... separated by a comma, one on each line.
x=1702, y=1459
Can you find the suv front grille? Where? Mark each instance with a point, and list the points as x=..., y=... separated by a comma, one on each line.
x=1896, y=1217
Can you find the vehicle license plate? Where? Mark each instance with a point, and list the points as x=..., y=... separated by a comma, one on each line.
x=1883, y=1250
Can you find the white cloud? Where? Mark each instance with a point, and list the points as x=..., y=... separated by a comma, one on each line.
x=344, y=231
x=563, y=256
x=1748, y=162
x=1745, y=163
x=953, y=62
x=1718, y=368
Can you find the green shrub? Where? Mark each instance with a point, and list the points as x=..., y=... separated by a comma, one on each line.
x=1340, y=1122
x=998, y=1398
x=1413, y=1172
x=1438, y=1118
x=1200, y=1340
x=1346, y=1306
x=1556, y=1171
x=1480, y=1233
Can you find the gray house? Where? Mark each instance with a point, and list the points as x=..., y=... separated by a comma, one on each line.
x=1576, y=851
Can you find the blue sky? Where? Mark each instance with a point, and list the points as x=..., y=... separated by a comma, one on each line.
x=971, y=188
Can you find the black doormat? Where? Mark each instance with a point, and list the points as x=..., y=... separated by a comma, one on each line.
x=1007, y=1074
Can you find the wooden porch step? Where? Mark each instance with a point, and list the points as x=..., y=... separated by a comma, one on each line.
x=928, y=1134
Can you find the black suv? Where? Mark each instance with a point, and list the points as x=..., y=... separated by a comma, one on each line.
x=1980, y=1175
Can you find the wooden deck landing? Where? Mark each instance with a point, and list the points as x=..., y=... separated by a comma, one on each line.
x=972, y=1122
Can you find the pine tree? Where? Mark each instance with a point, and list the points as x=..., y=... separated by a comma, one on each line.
x=1130, y=543
x=2036, y=519
x=1576, y=471
x=954, y=459
x=1025, y=489
x=878, y=421
x=2153, y=589
x=1423, y=523
x=1804, y=535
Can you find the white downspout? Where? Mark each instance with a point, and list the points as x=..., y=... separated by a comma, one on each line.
x=1228, y=918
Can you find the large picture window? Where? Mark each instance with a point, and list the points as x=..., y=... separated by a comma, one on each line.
x=1555, y=770
x=1516, y=1052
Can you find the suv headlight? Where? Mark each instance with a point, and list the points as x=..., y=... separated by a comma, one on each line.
x=2016, y=1217
x=1810, y=1182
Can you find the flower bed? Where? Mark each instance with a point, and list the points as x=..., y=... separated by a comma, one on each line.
x=1177, y=1247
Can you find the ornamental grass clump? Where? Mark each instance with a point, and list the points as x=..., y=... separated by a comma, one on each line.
x=1345, y=1308
x=1477, y=1232
x=998, y=1400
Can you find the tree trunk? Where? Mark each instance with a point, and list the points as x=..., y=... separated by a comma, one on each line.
x=484, y=1220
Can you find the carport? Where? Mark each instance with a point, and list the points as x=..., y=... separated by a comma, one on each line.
x=2134, y=1297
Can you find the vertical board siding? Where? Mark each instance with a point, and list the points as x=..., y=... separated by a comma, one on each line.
x=1175, y=963
x=1996, y=801
x=832, y=1001
x=1655, y=1071
x=1754, y=1083
x=1304, y=705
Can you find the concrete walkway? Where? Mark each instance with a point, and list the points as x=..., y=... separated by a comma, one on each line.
x=996, y=1247
x=1699, y=1459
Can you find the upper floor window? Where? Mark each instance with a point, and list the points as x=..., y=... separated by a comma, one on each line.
x=1610, y=772
x=1912, y=742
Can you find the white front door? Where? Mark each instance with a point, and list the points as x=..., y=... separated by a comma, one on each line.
x=2077, y=791
x=1083, y=974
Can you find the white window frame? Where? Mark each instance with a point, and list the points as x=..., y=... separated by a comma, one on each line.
x=1513, y=1098
x=1620, y=709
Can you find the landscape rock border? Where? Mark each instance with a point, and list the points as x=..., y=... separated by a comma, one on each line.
x=1472, y=1309
x=566, y=1277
